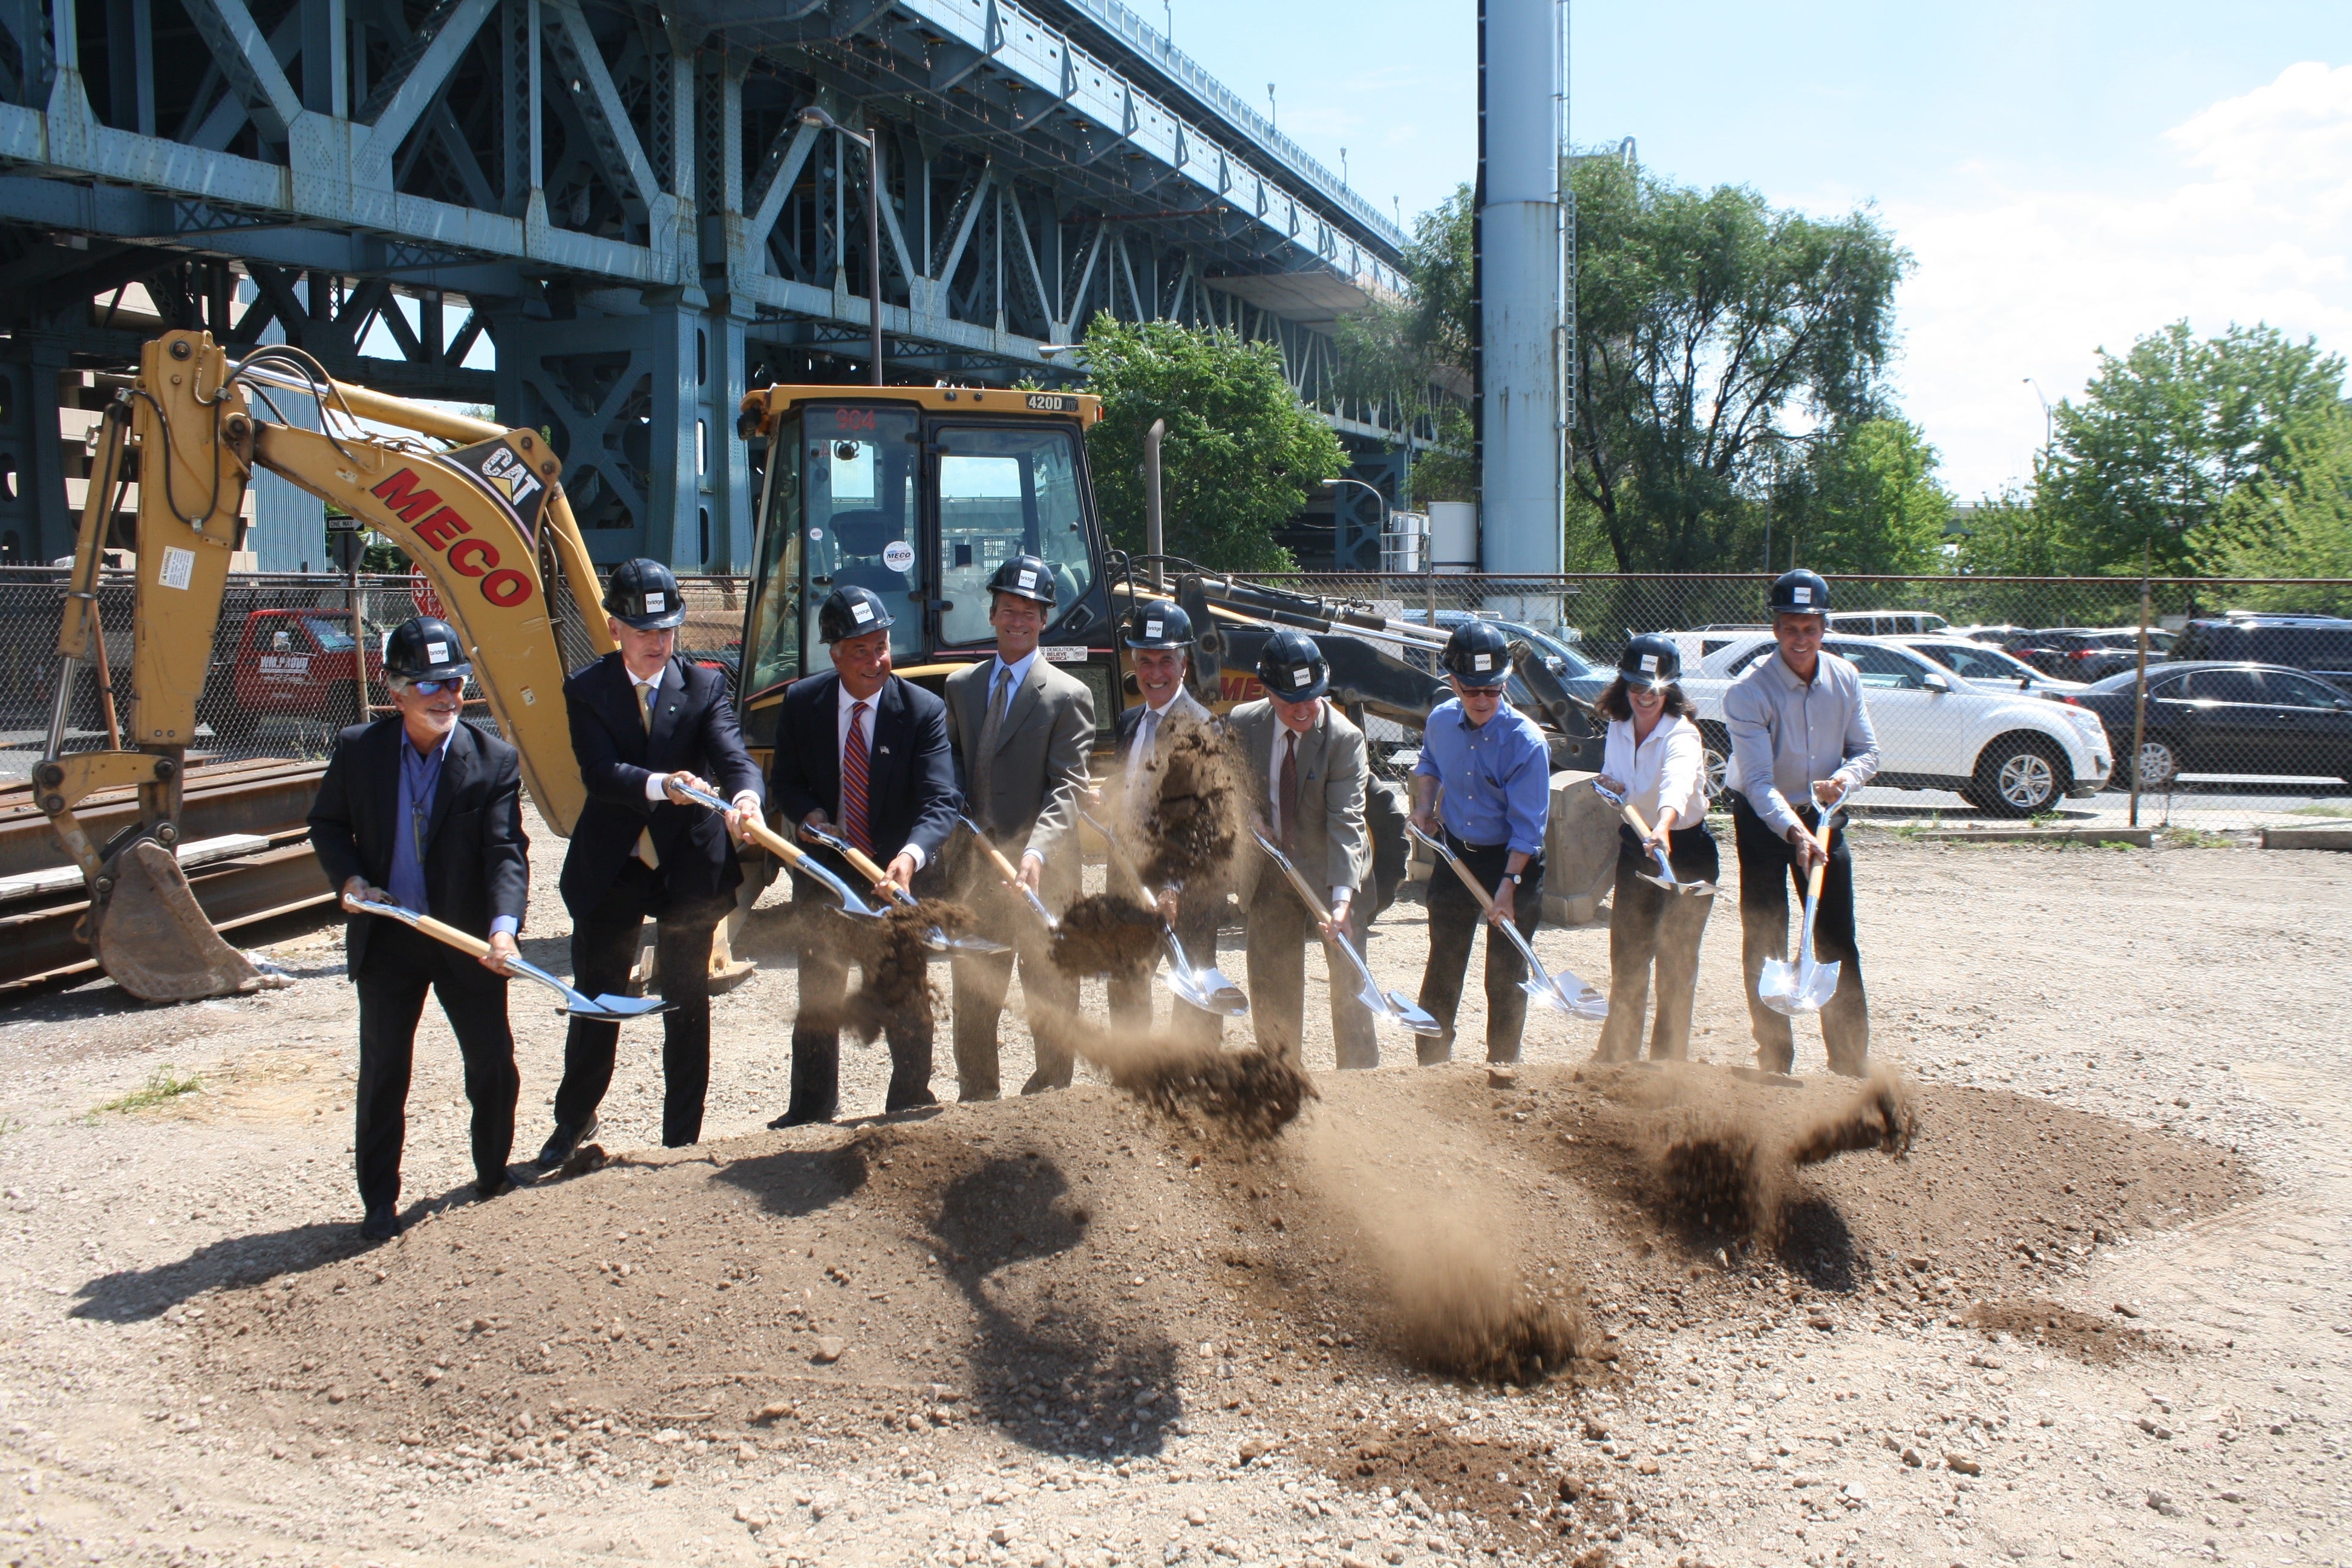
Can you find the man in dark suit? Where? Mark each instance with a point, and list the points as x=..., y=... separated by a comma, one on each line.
x=642, y=722
x=426, y=809
x=863, y=753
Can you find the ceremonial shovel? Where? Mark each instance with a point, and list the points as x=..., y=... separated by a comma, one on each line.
x=934, y=937
x=1207, y=989
x=1390, y=1005
x=792, y=855
x=1666, y=878
x=577, y=1003
x=1805, y=987
x=1012, y=877
x=1587, y=1002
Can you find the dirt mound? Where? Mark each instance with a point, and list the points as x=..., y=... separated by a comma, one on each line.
x=1106, y=934
x=1203, y=807
x=1247, y=1095
x=1074, y=1273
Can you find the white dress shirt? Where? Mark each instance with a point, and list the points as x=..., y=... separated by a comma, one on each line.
x=1669, y=768
x=1273, y=790
x=657, y=784
x=843, y=706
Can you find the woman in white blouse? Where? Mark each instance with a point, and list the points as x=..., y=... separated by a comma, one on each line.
x=1655, y=759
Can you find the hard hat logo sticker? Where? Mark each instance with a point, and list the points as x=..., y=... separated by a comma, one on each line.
x=1028, y=577
x=1151, y=629
x=436, y=653
x=1649, y=664
x=1301, y=676
x=1801, y=593
x=656, y=604
x=1481, y=661
x=862, y=612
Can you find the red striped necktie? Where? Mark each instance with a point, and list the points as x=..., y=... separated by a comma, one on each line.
x=852, y=781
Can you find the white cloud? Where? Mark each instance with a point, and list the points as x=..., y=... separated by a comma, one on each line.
x=2250, y=220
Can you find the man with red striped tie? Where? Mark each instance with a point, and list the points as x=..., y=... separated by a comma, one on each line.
x=865, y=752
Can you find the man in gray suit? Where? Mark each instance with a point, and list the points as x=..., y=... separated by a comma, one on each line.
x=1021, y=729
x=1309, y=766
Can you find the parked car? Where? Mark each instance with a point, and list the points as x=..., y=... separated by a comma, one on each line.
x=1584, y=680
x=1986, y=666
x=2262, y=721
x=285, y=664
x=2321, y=645
x=2088, y=653
x=1885, y=623
x=2000, y=634
x=2006, y=754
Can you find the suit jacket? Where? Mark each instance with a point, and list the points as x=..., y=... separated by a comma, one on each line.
x=1026, y=794
x=1123, y=807
x=1329, y=844
x=910, y=784
x=694, y=731
x=476, y=860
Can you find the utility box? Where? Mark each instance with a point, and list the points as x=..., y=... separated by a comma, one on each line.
x=1454, y=535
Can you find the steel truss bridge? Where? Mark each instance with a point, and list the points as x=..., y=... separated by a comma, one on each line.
x=626, y=205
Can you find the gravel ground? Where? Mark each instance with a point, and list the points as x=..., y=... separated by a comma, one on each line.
x=2186, y=1403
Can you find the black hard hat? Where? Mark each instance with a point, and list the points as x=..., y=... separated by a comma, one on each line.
x=852, y=611
x=1478, y=653
x=1799, y=593
x=425, y=648
x=644, y=595
x=1025, y=577
x=1159, y=623
x=1649, y=662
x=1291, y=666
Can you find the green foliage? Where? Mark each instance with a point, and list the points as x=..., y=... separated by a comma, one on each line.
x=2013, y=537
x=1447, y=471
x=2296, y=522
x=164, y=1083
x=1868, y=501
x=1404, y=354
x=2163, y=436
x=1708, y=325
x=1241, y=456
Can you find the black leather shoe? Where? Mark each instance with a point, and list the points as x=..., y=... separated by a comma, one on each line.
x=561, y=1143
x=799, y=1118
x=380, y=1225
x=484, y=1191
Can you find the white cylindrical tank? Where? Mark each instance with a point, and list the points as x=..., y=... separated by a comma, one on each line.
x=1454, y=535
x=1406, y=546
x=1522, y=429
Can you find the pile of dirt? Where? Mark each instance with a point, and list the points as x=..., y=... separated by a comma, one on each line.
x=1200, y=812
x=1250, y=1095
x=1721, y=1170
x=1076, y=1274
x=1106, y=933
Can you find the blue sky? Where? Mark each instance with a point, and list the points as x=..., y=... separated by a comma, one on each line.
x=2067, y=175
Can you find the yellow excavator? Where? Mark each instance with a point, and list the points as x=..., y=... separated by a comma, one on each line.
x=477, y=507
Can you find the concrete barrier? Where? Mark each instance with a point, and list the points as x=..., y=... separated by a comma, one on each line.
x=1579, y=852
x=2315, y=837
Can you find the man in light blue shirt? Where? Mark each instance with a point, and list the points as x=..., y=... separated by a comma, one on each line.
x=1485, y=780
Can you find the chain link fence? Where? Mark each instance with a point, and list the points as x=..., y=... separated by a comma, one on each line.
x=1994, y=700
x=283, y=674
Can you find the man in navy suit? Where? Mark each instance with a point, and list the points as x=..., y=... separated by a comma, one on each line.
x=426, y=809
x=865, y=753
x=645, y=726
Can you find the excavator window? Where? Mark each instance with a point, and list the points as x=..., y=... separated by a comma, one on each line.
x=773, y=646
x=1007, y=491
x=863, y=526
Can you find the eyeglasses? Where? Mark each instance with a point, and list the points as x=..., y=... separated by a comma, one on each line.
x=434, y=688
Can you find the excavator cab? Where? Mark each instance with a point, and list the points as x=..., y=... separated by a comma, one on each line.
x=918, y=494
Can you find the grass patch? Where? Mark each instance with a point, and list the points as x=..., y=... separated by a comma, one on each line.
x=166, y=1083
x=2197, y=838
x=2316, y=809
x=1915, y=827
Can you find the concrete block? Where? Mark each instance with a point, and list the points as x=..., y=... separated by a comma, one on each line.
x=2314, y=837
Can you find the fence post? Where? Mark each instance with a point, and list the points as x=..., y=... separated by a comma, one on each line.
x=359, y=636
x=2139, y=682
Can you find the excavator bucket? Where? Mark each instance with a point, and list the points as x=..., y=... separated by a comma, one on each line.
x=150, y=937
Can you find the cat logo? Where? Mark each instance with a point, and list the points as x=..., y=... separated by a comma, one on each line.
x=509, y=478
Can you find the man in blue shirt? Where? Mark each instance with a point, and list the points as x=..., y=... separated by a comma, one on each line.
x=1485, y=780
x=428, y=809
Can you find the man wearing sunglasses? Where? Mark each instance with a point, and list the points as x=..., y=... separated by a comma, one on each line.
x=426, y=810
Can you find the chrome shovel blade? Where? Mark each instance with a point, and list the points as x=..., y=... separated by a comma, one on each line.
x=935, y=938
x=581, y=1005
x=1797, y=989
x=1411, y=1015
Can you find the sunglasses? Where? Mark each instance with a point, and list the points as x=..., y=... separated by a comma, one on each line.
x=436, y=688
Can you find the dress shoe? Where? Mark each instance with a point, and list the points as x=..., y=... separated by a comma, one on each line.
x=485, y=1191
x=380, y=1225
x=799, y=1118
x=561, y=1143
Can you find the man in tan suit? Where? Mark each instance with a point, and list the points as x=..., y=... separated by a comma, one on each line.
x=1158, y=637
x=1309, y=767
x=1021, y=729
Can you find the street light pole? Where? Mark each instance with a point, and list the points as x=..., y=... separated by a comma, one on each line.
x=2048, y=421
x=872, y=142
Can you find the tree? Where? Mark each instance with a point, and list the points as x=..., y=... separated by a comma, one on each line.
x=2011, y=537
x=1403, y=355
x=1241, y=456
x=1706, y=324
x=1868, y=501
x=2297, y=523
x=2163, y=436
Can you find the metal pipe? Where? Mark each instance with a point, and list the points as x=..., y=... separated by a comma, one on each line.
x=2139, y=682
x=58, y=709
x=872, y=141
x=1154, y=521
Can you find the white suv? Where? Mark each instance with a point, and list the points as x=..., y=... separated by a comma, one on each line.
x=2004, y=753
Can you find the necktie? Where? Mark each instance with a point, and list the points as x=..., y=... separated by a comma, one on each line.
x=645, y=834
x=984, y=773
x=1139, y=760
x=1287, y=800
x=853, y=781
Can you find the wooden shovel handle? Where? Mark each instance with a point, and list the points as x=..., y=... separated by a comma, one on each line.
x=1004, y=868
x=464, y=942
x=1821, y=836
x=865, y=866
x=775, y=843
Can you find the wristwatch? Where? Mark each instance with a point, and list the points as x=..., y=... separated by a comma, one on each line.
x=1515, y=879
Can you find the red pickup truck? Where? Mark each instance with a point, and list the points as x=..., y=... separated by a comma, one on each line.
x=287, y=664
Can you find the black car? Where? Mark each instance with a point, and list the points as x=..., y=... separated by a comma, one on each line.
x=2083, y=653
x=2259, y=719
x=2320, y=644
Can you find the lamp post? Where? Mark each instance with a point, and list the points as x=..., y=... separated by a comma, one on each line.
x=2048, y=421
x=872, y=141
